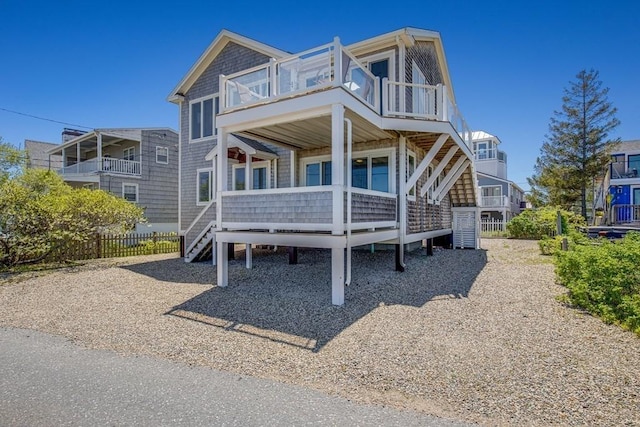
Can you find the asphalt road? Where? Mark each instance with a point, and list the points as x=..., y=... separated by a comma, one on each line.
x=47, y=380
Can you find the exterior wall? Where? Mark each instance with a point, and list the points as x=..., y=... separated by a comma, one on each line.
x=158, y=183
x=493, y=167
x=424, y=54
x=231, y=59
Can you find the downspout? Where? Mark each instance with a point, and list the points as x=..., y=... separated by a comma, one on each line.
x=349, y=166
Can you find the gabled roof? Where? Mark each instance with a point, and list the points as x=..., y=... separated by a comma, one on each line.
x=247, y=145
x=216, y=46
x=409, y=36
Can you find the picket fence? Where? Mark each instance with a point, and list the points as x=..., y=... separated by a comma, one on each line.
x=110, y=246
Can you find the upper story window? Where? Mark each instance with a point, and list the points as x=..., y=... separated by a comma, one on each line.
x=162, y=155
x=202, y=121
x=129, y=153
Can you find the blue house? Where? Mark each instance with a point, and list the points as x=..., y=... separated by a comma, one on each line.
x=624, y=183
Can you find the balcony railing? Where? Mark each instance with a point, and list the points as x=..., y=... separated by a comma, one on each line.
x=621, y=171
x=423, y=102
x=104, y=164
x=318, y=68
x=624, y=214
x=494, y=201
x=490, y=154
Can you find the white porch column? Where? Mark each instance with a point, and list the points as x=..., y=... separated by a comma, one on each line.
x=222, y=269
x=78, y=157
x=337, y=276
x=248, y=256
x=99, y=150
x=337, y=167
x=64, y=157
x=248, y=174
x=402, y=196
x=221, y=175
x=292, y=167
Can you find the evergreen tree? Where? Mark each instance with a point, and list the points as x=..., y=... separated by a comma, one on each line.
x=576, y=150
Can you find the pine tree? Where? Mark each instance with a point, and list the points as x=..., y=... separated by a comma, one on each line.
x=577, y=148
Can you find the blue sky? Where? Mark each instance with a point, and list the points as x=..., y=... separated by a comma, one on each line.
x=112, y=64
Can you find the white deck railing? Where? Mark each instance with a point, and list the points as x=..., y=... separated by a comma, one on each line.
x=107, y=164
x=494, y=201
x=622, y=214
x=322, y=67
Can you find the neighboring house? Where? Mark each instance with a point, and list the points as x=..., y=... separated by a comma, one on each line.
x=38, y=155
x=500, y=199
x=335, y=147
x=140, y=165
x=622, y=182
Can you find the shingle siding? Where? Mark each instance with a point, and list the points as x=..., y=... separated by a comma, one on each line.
x=231, y=59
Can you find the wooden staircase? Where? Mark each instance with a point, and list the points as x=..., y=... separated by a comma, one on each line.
x=202, y=247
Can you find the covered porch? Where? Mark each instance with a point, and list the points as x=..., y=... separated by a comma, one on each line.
x=100, y=151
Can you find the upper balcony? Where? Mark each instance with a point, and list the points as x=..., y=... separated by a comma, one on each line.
x=624, y=167
x=102, y=164
x=494, y=202
x=333, y=66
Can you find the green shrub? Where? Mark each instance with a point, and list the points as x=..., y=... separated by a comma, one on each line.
x=538, y=223
x=604, y=279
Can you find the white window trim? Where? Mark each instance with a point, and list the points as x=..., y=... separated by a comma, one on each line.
x=215, y=129
x=380, y=152
x=412, y=197
x=491, y=186
x=254, y=165
x=125, y=184
x=387, y=54
x=166, y=149
x=309, y=161
x=212, y=182
x=125, y=156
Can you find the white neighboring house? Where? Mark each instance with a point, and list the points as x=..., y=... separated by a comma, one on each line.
x=500, y=198
x=334, y=147
x=138, y=164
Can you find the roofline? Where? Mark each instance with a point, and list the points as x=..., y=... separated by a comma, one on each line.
x=508, y=181
x=108, y=131
x=214, y=48
x=409, y=35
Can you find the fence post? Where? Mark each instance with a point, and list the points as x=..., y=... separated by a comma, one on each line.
x=98, y=245
x=181, y=243
x=155, y=241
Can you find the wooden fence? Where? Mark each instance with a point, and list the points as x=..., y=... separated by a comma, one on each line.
x=490, y=227
x=110, y=246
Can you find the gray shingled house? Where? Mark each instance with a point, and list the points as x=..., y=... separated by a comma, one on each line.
x=140, y=165
x=335, y=147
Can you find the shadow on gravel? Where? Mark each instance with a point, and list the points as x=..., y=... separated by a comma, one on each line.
x=175, y=270
x=292, y=303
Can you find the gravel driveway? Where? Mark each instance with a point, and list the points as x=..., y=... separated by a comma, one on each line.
x=467, y=335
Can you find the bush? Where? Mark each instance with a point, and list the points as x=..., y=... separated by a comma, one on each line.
x=539, y=223
x=551, y=245
x=604, y=279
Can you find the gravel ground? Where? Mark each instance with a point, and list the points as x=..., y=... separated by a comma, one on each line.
x=467, y=335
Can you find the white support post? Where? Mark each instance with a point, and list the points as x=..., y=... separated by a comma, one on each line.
x=445, y=104
x=292, y=167
x=438, y=170
x=273, y=78
x=99, y=150
x=337, y=62
x=275, y=173
x=248, y=173
x=337, y=167
x=78, y=157
x=221, y=175
x=337, y=276
x=64, y=157
x=403, y=196
x=424, y=164
x=385, y=96
x=214, y=252
x=248, y=256
x=222, y=253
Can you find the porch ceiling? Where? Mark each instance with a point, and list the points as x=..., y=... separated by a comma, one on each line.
x=314, y=132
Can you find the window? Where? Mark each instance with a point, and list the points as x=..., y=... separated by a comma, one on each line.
x=481, y=152
x=130, y=192
x=203, y=118
x=261, y=173
x=634, y=165
x=318, y=173
x=411, y=168
x=204, y=184
x=162, y=155
x=419, y=95
x=129, y=153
